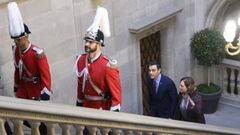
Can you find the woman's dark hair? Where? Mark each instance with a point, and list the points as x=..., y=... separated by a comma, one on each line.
x=190, y=84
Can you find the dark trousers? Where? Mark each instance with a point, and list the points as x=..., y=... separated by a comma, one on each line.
x=86, y=132
x=42, y=127
x=7, y=128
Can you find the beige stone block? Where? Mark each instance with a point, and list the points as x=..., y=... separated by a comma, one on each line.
x=62, y=68
x=8, y=90
x=61, y=5
x=65, y=90
x=61, y=51
x=34, y=8
x=7, y=72
x=3, y=16
x=64, y=82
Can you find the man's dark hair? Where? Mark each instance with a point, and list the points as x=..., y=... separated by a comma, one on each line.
x=155, y=63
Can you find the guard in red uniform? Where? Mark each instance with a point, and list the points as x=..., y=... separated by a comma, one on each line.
x=98, y=77
x=32, y=75
x=32, y=79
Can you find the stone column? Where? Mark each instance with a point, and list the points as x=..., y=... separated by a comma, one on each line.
x=51, y=128
x=105, y=131
x=35, y=127
x=79, y=129
x=2, y=128
x=18, y=127
x=65, y=129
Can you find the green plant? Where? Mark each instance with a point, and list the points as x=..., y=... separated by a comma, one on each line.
x=204, y=88
x=207, y=46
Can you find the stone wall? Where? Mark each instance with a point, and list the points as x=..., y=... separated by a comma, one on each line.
x=59, y=25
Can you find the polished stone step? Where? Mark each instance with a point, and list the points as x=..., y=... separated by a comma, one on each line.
x=232, y=100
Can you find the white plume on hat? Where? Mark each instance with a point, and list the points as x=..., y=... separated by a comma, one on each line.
x=101, y=20
x=15, y=21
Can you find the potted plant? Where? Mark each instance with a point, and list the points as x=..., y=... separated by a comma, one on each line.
x=207, y=46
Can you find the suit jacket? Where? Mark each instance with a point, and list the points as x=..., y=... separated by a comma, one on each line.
x=163, y=103
x=194, y=114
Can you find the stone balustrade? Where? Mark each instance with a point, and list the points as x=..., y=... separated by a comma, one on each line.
x=72, y=120
x=231, y=79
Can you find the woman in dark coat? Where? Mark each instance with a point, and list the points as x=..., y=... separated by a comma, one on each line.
x=189, y=107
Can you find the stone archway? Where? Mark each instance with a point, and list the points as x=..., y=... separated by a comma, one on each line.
x=215, y=11
x=215, y=17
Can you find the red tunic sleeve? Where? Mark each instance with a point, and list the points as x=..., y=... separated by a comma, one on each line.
x=114, y=84
x=44, y=72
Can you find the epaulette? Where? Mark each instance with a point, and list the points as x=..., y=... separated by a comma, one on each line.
x=111, y=63
x=39, y=51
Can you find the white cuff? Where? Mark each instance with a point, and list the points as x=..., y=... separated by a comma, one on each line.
x=117, y=107
x=79, y=101
x=45, y=90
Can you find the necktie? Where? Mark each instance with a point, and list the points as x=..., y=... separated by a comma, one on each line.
x=155, y=86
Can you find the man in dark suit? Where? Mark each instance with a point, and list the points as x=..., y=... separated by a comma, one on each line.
x=162, y=93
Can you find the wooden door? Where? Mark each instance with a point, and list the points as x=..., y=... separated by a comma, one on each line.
x=149, y=51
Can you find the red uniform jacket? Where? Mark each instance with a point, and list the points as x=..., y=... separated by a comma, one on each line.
x=35, y=64
x=105, y=77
